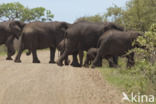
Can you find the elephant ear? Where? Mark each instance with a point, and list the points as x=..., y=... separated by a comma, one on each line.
x=16, y=28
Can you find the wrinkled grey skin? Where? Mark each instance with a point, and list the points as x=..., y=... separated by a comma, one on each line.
x=82, y=36
x=8, y=32
x=61, y=47
x=40, y=35
x=117, y=43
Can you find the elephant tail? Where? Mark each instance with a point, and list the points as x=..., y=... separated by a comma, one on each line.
x=28, y=53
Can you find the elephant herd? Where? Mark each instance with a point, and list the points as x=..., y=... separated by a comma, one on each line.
x=101, y=40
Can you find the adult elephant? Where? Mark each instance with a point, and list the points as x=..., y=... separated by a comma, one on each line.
x=40, y=35
x=84, y=35
x=117, y=43
x=8, y=32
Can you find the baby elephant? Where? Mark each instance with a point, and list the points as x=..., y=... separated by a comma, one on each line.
x=91, y=54
x=60, y=48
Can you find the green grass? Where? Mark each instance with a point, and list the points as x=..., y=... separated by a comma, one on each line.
x=124, y=80
x=128, y=80
x=2, y=50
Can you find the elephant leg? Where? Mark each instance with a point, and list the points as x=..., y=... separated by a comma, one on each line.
x=113, y=61
x=10, y=48
x=130, y=61
x=35, y=58
x=52, y=55
x=110, y=61
x=62, y=57
x=75, y=60
x=66, y=61
x=96, y=60
x=17, y=59
x=99, y=64
x=87, y=60
x=9, y=55
x=81, y=57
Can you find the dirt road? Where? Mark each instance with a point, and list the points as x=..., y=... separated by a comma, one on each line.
x=44, y=83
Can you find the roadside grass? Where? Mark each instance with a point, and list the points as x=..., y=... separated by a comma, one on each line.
x=128, y=80
x=2, y=50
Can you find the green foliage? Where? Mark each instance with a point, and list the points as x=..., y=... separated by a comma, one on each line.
x=2, y=50
x=140, y=78
x=11, y=10
x=16, y=11
x=96, y=18
x=138, y=15
x=148, y=40
x=146, y=62
x=114, y=14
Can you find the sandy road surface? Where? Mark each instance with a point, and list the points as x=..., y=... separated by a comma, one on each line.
x=44, y=83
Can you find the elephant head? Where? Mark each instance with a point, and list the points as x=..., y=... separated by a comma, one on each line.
x=16, y=28
x=63, y=26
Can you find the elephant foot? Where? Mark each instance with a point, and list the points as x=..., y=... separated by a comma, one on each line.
x=17, y=61
x=52, y=62
x=66, y=63
x=99, y=65
x=59, y=63
x=36, y=61
x=93, y=66
x=75, y=65
x=113, y=66
x=86, y=65
x=9, y=58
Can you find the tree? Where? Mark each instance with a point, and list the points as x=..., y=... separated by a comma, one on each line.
x=16, y=11
x=96, y=18
x=114, y=14
x=11, y=11
x=138, y=15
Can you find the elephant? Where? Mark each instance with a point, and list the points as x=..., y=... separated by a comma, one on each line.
x=91, y=54
x=61, y=47
x=9, y=30
x=84, y=35
x=117, y=43
x=40, y=35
